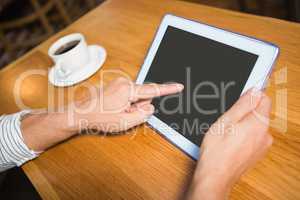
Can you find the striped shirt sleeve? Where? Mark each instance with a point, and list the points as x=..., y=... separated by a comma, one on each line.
x=13, y=150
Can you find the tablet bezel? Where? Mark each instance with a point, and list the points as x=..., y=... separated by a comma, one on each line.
x=267, y=54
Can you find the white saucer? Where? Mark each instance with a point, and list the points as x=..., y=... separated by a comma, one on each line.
x=97, y=58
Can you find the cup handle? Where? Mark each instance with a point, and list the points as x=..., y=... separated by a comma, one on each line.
x=63, y=73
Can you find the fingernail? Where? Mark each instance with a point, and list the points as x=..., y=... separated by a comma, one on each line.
x=179, y=86
x=256, y=92
x=256, y=95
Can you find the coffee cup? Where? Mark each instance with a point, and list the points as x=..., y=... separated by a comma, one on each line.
x=69, y=54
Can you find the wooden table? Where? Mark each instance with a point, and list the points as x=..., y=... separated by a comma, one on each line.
x=141, y=164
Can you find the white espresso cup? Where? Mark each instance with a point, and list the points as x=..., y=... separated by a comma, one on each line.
x=69, y=54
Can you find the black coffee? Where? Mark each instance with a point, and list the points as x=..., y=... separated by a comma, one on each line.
x=66, y=47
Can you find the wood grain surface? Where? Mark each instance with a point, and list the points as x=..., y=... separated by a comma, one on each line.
x=141, y=164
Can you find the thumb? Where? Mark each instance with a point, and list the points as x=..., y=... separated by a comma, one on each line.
x=246, y=103
x=260, y=115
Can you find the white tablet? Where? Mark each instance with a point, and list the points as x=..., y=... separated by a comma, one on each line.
x=216, y=66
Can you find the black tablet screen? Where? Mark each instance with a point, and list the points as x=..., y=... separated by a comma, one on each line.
x=213, y=73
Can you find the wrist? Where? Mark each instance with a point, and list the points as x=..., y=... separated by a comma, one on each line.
x=209, y=183
x=206, y=187
x=42, y=130
x=64, y=124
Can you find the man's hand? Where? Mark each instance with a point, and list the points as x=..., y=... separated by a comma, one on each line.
x=231, y=146
x=121, y=105
x=118, y=107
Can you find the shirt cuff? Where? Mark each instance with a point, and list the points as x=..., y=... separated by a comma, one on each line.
x=12, y=146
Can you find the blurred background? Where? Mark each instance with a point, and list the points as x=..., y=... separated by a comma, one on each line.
x=26, y=23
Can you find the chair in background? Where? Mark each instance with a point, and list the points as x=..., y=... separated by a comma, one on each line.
x=291, y=8
x=294, y=10
x=14, y=42
x=44, y=18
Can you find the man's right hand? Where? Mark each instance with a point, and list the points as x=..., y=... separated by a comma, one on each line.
x=231, y=146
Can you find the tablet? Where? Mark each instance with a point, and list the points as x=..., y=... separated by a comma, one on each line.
x=216, y=66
